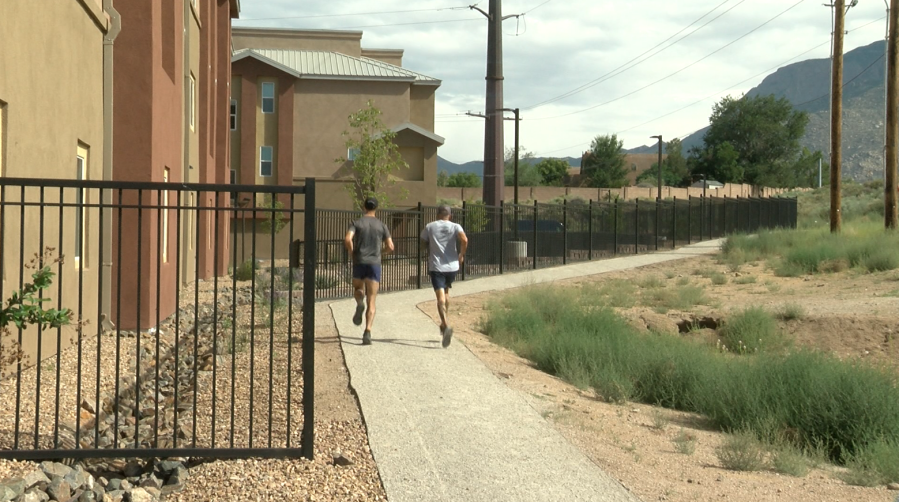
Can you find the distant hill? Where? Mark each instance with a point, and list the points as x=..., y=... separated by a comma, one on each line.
x=477, y=166
x=807, y=85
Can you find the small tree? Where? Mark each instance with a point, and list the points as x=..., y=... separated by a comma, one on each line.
x=464, y=180
x=376, y=156
x=274, y=219
x=442, y=178
x=604, y=166
x=553, y=171
x=527, y=168
x=24, y=309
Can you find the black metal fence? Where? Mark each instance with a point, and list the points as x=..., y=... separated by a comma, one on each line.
x=512, y=238
x=170, y=352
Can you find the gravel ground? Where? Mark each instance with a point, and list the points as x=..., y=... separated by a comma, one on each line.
x=339, y=428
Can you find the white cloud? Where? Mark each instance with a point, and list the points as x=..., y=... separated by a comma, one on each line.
x=565, y=44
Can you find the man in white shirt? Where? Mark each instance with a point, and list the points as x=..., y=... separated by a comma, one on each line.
x=447, y=244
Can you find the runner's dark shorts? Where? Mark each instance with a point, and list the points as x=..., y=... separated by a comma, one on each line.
x=442, y=280
x=362, y=272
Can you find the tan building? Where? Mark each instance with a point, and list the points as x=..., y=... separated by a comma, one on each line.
x=172, y=91
x=292, y=93
x=52, y=126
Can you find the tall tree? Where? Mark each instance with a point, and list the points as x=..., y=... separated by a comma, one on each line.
x=376, y=156
x=762, y=132
x=604, y=165
x=553, y=171
x=674, y=167
x=527, y=169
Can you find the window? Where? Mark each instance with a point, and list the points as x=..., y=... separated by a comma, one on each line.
x=268, y=97
x=164, y=203
x=233, y=114
x=81, y=167
x=234, y=176
x=192, y=100
x=351, y=153
x=265, y=161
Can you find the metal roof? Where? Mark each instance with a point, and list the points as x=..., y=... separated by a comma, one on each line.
x=333, y=65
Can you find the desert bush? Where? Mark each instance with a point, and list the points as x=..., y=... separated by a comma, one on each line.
x=789, y=460
x=718, y=279
x=741, y=451
x=822, y=404
x=791, y=312
x=245, y=271
x=746, y=279
x=684, y=442
x=749, y=331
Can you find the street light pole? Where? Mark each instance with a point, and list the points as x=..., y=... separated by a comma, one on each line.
x=515, y=182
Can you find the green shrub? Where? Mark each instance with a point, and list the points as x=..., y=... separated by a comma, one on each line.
x=244, y=271
x=746, y=279
x=790, y=461
x=684, y=443
x=718, y=279
x=741, y=451
x=875, y=464
x=651, y=282
x=791, y=312
x=750, y=331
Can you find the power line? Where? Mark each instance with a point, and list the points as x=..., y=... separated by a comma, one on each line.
x=612, y=73
x=411, y=24
x=676, y=72
x=532, y=9
x=356, y=14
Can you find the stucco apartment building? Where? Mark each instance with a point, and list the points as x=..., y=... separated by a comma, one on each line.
x=292, y=93
x=52, y=68
x=172, y=91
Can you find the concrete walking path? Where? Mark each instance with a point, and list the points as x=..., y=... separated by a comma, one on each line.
x=442, y=427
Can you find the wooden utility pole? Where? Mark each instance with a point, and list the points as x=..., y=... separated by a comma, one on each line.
x=892, y=125
x=494, y=176
x=836, y=116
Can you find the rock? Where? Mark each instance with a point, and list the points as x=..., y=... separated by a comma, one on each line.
x=55, y=469
x=34, y=496
x=141, y=495
x=154, y=492
x=167, y=466
x=339, y=459
x=150, y=482
x=6, y=494
x=59, y=490
x=113, y=485
x=133, y=469
x=114, y=496
x=36, y=478
x=893, y=486
x=76, y=479
x=88, y=496
x=16, y=486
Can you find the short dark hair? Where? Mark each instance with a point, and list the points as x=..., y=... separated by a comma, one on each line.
x=370, y=204
x=443, y=211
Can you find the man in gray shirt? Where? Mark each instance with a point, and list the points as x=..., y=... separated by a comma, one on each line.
x=364, y=239
x=447, y=244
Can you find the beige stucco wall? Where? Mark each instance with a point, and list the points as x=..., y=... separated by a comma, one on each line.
x=52, y=91
x=344, y=42
x=390, y=56
x=544, y=194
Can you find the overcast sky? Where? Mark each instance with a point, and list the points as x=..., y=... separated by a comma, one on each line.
x=643, y=67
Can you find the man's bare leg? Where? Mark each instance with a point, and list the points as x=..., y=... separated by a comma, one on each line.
x=371, y=294
x=359, y=295
x=442, y=303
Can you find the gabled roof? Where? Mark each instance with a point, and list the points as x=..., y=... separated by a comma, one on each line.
x=332, y=66
x=421, y=131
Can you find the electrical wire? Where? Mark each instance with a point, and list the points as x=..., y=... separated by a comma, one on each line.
x=676, y=72
x=612, y=73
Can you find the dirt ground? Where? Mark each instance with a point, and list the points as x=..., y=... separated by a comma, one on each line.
x=851, y=315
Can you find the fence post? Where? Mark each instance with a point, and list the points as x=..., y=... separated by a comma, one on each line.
x=502, y=236
x=658, y=217
x=689, y=219
x=711, y=218
x=464, y=219
x=636, y=225
x=590, y=229
x=674, y=222
x=417, y=240
x=701, y=216
x=564, y=231
x=535, y=234
x=615, y=234
x=308, y=434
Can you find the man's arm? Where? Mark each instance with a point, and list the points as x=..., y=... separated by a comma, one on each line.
x=348, y=240
x=388, y=245
x=463, y=245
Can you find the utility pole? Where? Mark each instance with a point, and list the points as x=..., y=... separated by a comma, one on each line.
x=516, y=119
x=836, y=116
x=493, y=127
x=659, y=192
x=886, y=71
x=892, y=121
